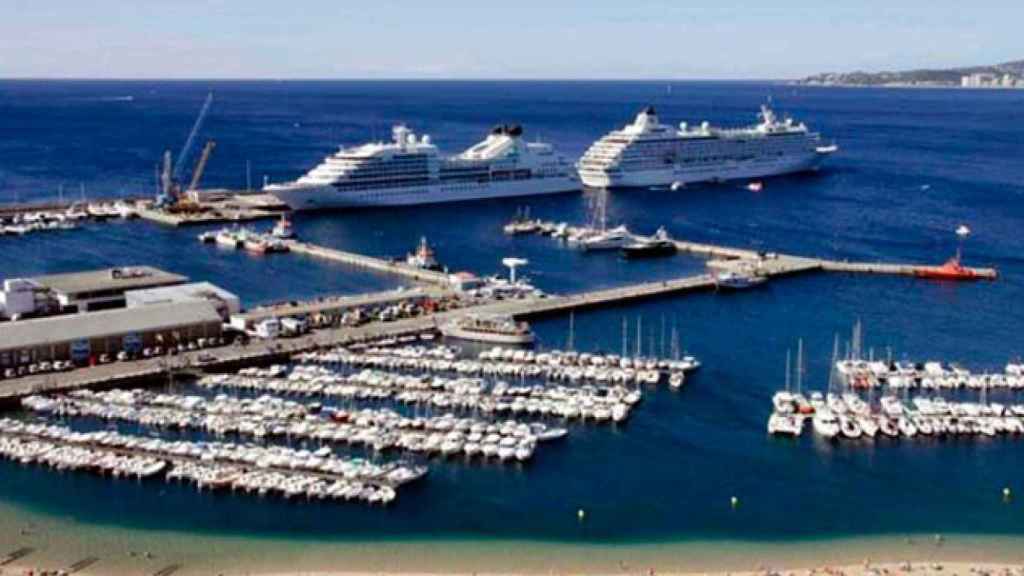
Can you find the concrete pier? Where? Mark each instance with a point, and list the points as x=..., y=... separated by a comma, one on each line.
x=368, y=262
x=893, y=269
x=265, y=352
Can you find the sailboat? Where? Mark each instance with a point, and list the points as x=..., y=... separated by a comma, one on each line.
x=782, y=401
x=605, y=238
x=825, y=422
x=677, y=378
x=782, y=420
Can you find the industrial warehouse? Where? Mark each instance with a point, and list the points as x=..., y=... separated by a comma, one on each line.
x=92, y=317
x=97, y=336
x=79, y=291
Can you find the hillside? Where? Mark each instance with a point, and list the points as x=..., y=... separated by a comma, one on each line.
x=924, y=77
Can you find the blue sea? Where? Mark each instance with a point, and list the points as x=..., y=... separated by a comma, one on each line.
x=912, y=166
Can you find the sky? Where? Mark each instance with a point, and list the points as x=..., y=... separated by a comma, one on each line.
x=625, y=39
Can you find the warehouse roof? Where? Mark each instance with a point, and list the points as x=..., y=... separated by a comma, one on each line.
x=180, y=292
x=123, y=278
x=72, y=327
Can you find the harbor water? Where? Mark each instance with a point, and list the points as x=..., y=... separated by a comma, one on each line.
x=912, y=166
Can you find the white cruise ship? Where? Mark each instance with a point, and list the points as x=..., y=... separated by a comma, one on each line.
x=409, y=170
x=648, y=153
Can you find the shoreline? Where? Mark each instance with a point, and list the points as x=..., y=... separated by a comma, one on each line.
x=58, y=543
x=121, y=552
x=868, y=567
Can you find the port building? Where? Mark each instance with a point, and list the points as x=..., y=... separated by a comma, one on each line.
x=103, y=289
x=223, y=301
x=83, y=338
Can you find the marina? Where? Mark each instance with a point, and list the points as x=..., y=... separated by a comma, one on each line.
x=849, y=417
x=931, y=375
x=940, y=406
x=378, y=429
x=207, y=465
x=688, y=466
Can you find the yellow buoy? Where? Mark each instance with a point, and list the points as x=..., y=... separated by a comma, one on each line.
x=1006, y=493
x=581, y=514
x=734, y=501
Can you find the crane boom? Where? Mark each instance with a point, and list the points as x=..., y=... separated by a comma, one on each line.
x=201, y=164
x=183, y=155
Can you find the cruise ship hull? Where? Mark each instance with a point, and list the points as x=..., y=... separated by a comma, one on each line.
x=709, y=173
x=299, y=197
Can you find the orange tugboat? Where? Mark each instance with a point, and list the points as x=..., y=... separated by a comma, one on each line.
x=953, y=269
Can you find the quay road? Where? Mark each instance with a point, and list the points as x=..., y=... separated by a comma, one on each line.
x=334, y=304
x=139, y=372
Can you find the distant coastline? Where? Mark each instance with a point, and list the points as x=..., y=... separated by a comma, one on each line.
x=1008, y=75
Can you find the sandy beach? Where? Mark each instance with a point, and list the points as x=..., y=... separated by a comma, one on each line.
x=864, y=569
x=867, y=569
x=55, y=544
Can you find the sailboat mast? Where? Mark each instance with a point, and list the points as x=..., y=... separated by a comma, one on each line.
x=835, y=358
x=799, y=363
x=639, y=335
x=570, y=344
x=663, y=335
x=624, y=343
x=788, y=370
x=676, y=351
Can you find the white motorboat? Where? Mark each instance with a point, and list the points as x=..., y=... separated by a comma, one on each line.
x=785, y=425
x=492, y=329
x=826, y=424
x=611, y=239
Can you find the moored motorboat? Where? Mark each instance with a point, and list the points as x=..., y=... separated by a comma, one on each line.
x=493, y=329
x=658, y=245
x=738, y=281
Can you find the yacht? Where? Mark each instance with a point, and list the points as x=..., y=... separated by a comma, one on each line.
x=868, y=425
x=785, y=425
x=648, y=153
x=658, y=245
x=738, y=281
x=612, y=239
x=849, y=427
x=826, y=424
x=493, y=329
x=410, y=170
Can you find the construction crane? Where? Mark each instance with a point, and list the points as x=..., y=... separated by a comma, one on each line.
x=204, y=157
x=170, y=177
x=187, y=148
